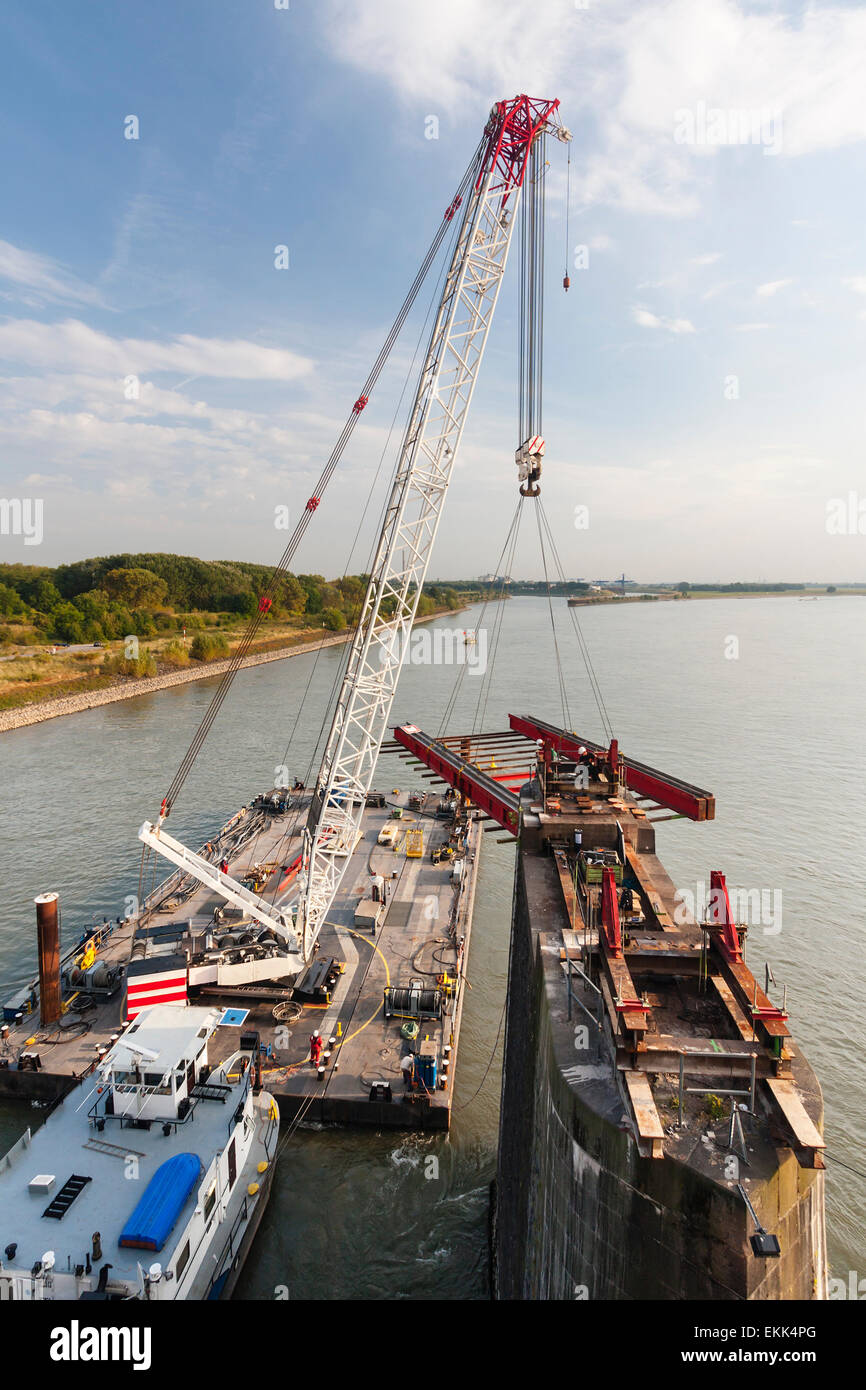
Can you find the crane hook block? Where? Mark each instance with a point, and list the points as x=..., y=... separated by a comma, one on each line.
x=359, y=404
x=452, y=208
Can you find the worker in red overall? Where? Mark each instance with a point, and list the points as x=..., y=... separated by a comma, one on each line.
x=315, y=1048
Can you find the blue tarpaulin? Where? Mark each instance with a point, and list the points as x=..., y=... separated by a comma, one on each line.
x=162, y=1202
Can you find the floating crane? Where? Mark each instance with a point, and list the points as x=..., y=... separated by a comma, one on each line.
x=511, y=152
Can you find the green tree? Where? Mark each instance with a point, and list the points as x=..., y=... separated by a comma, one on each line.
x=44, y=596
x=67, y=624
x=140, y=588
x=333, y=619
x=11, y=604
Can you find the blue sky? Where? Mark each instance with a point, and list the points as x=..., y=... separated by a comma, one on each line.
x=704, y=384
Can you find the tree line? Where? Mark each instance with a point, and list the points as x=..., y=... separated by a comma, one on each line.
x=112, y=596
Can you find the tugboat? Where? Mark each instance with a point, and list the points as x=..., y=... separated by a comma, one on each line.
x=150, y=1179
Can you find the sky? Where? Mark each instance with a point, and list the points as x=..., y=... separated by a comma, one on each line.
x=165, y=386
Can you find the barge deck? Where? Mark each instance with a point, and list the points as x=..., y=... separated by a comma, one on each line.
x=422, y=935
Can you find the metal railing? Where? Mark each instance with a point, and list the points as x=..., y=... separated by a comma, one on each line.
x=684, y=1090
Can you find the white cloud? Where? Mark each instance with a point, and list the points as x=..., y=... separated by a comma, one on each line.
x=77, y=347
x=649, y=320
x=857, y=283
x=771, y=287
x=39, y=278
x=628, y=69
x=709, y=258
x=718, y=289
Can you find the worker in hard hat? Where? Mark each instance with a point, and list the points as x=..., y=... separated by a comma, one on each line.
x=315, y=1048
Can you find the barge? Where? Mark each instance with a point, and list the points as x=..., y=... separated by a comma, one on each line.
x=386, y=982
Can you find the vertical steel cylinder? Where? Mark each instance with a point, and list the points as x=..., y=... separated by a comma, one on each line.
x=48, y=937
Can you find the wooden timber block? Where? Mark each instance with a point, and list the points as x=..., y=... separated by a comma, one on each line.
x=805, y=1133
x=649, y=1126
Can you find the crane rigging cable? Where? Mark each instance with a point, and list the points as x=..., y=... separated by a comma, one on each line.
x=531, y=323
x=489, y=215
x=421, y=480
x=500, y=570
x=315, y=753
x=578, y=632
x=484, y=692
x=267, y=598
x=531, y=447
x=563, y=688
x=566, y=280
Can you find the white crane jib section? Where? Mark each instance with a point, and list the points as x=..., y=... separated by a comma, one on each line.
x=412, y=518
x=279, y=919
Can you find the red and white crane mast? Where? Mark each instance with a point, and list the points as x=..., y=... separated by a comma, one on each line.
x=488, y=199
x=414, y=509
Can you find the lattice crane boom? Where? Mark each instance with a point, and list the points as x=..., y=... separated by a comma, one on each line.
x=414, y=510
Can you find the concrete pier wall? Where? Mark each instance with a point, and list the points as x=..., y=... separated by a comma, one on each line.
x=579, y=1214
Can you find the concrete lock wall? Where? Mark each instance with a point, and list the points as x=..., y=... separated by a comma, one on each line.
x=579, y=1214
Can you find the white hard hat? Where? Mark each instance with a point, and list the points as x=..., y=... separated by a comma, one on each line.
x=316, y=1033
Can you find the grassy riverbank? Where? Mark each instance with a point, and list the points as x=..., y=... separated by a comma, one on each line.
x=96, y=625
x=94, y=681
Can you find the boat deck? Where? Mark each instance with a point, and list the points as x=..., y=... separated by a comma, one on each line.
x=111, y=1170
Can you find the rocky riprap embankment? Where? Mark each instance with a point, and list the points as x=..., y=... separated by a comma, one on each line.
x=127, y=690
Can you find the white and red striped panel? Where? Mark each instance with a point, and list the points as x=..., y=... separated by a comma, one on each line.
x=141, y=992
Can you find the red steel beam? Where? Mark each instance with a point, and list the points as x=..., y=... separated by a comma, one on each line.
x=500, y=804
x=610, y=914
x=686, y=800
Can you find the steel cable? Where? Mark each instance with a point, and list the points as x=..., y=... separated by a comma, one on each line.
x=272, y=587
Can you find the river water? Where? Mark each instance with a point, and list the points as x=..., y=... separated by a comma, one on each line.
x=760, y=700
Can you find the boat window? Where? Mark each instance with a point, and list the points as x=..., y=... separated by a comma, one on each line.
x=210, y=1200
x=182, y=1261
x=233, y=1164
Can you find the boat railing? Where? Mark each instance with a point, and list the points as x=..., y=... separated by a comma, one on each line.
x=15, y=1152
x=98, y=1111
x=227, y=1251
x=273, y=1125
x=228, y=1248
